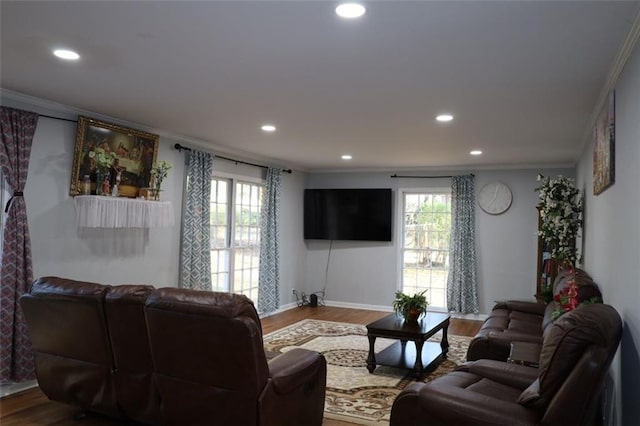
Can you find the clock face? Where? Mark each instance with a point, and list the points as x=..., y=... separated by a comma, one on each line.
x=495, y=198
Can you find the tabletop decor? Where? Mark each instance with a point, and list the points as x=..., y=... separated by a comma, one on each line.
x=561, y=216
x=103, y=161
x=129, y=154
x=159, y=171
x=410, y=307
x=567, y=299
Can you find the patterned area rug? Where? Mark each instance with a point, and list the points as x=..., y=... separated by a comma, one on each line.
x=354, y=395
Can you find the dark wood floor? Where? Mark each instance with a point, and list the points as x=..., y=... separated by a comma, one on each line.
x=32, y=408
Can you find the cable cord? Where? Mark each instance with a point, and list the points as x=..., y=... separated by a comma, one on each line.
x=326, y=271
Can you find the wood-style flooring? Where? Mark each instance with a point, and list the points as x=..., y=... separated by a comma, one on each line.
x=33, y=408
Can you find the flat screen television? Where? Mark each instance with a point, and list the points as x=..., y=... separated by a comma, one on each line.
x=347, y=214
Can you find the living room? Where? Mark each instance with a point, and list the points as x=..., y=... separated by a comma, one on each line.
x=357, y=274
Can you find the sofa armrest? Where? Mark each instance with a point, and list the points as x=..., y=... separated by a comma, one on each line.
x=447, y=405
x=522, y=306
x=294, y=368
x=514, y=375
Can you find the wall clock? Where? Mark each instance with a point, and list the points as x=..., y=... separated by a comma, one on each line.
x=495, y=198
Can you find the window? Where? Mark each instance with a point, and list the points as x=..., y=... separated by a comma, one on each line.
x=426, y=228
x=235, y=236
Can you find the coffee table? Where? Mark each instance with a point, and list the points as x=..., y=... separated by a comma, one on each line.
x=422, y=357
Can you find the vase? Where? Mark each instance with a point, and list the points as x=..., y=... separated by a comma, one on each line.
x=412, y=315
x=99, y=178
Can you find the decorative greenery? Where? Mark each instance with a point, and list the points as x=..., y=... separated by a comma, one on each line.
x=159, y=171
x=405, y=304
x=561, y=215
x=567, y=299
x=102, y=158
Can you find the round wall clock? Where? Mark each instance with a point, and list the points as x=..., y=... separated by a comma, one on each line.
x=495, y=198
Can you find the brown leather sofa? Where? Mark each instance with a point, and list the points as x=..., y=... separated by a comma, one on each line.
x=576, y=354
x=167, y=356
x=521, y=321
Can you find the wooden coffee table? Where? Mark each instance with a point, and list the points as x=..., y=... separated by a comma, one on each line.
x=421, y=358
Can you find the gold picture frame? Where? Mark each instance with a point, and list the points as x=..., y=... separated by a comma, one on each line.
x=136, y=152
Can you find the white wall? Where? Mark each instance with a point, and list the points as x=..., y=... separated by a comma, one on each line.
x=108, y=256
x=612, y=236
x=366, y=273
x=119, y=256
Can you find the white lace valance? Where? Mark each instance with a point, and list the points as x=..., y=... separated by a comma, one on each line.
x=117, y=212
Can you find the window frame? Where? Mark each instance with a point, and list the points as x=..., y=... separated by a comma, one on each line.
x=400, y=231
x=233, y=179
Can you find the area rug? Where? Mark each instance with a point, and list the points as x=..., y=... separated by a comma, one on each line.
x=353, y=394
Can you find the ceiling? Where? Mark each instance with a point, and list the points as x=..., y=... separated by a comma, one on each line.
x=521, y=78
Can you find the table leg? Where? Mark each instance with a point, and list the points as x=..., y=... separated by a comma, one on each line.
x=371, y=358
x=444, y=344
x=418, y=367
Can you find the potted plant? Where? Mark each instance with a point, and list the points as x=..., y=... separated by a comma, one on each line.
x=411, y=307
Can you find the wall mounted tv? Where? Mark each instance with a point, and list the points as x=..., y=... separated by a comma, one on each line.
x=347, y=214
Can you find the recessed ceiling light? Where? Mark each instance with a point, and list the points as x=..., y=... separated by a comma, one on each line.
x=346, y=157
x=476, y=152
x=350, y=10
x=444, y=118
x=269, y=128
x=69, y=55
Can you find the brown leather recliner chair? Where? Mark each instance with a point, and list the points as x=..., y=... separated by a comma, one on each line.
x=168, y=356
x=576, y=354
x=133, y=372
x=69, y=334
x=211, y=367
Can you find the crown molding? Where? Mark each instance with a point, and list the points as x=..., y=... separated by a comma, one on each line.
x=447, y=169
x=622, y=57
x=71, y=113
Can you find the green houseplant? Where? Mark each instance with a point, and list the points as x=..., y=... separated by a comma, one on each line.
x=410, y=307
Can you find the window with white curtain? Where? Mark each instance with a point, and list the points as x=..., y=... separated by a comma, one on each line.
x=426, y=228
x=235, y=235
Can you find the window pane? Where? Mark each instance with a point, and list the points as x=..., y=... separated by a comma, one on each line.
x=220, y=270
x=427, y=226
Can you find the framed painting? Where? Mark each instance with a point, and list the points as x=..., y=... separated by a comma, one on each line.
x=132, y=154
x=604, y=135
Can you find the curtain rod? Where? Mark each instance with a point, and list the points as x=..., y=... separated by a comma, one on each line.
x=57, y=118
x=428, y=177
x=181, y=148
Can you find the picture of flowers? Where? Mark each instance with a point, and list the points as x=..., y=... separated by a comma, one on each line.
x=108, y=151
x=604, y=135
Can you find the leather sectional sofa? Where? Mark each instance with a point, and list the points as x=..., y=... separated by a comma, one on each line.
x=576, y=353
x=166, y=356
x=521, y=321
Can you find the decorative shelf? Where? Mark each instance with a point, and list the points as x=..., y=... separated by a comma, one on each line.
x=94, y=211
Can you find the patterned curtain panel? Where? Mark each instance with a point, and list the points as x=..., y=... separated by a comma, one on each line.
x=195, y=261
x=462, y=286
x=269, y=279
x=16, y=363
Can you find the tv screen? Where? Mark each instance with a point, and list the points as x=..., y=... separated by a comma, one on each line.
x=347, y=214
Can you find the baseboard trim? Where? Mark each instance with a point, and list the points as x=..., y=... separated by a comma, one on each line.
x=383, y=308
x=13, y=388
x=282, y=308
